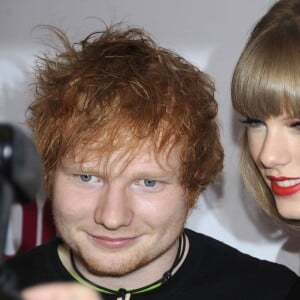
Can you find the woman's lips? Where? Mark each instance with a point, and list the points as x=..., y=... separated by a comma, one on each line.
x=284, y=186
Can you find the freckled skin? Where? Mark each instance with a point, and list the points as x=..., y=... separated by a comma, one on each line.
x=125, y=223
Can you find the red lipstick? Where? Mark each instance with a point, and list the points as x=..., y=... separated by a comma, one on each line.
x=284, y=186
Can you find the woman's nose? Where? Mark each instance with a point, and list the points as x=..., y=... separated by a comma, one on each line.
x=274, y=151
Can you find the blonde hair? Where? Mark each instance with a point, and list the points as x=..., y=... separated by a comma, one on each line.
x=265, y=83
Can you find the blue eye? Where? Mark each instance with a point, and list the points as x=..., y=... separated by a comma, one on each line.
x=149, y=182
x=85, y=177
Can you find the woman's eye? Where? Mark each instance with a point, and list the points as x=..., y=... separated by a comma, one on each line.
x=296, y=124
x=251, y=122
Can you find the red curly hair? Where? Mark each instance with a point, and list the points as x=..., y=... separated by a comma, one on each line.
x=118, y=88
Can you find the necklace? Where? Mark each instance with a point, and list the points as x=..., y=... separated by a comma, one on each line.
x=123, y=294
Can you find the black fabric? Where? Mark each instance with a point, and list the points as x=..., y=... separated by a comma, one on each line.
x=212, y=270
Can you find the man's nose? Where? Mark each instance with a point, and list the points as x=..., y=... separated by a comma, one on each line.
x=114, y=208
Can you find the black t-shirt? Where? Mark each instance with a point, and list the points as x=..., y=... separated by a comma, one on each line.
x=212, y=270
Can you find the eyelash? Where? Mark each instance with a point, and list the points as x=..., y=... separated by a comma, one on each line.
x=296, y=124
x=251, y=122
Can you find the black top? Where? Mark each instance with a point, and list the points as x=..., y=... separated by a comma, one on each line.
x=212, y=270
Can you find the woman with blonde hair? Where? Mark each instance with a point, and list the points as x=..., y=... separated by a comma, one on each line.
x=266, y=92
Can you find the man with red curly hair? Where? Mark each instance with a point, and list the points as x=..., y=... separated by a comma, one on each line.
x=128, y=136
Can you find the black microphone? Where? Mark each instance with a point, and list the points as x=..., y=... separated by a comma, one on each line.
x=19, y=163
x=20, y=181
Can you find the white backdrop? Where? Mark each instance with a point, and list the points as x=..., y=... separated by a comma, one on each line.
x=211, y=34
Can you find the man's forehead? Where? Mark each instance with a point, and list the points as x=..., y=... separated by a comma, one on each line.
x=123, y=158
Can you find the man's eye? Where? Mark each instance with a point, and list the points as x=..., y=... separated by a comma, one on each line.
x=149, y=182
x=149, y=185
x=85, y=177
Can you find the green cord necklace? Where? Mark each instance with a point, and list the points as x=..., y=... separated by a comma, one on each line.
x=123, y=294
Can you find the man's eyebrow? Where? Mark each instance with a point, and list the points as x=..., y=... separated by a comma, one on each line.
x=155, y=174
x=81, y=167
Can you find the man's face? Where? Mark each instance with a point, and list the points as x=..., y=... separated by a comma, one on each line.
x=120, y=219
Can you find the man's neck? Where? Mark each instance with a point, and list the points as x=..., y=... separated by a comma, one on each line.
x=144, y=276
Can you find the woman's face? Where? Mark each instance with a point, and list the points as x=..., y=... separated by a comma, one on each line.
x=274, y=145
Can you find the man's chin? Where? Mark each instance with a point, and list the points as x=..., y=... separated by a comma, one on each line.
x=115, y=268
x=104, y=271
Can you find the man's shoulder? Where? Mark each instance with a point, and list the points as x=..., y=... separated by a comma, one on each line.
x=34, y=254
x=225, y=271
x=207, y=246
x=41, y=264
x=215, y=256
